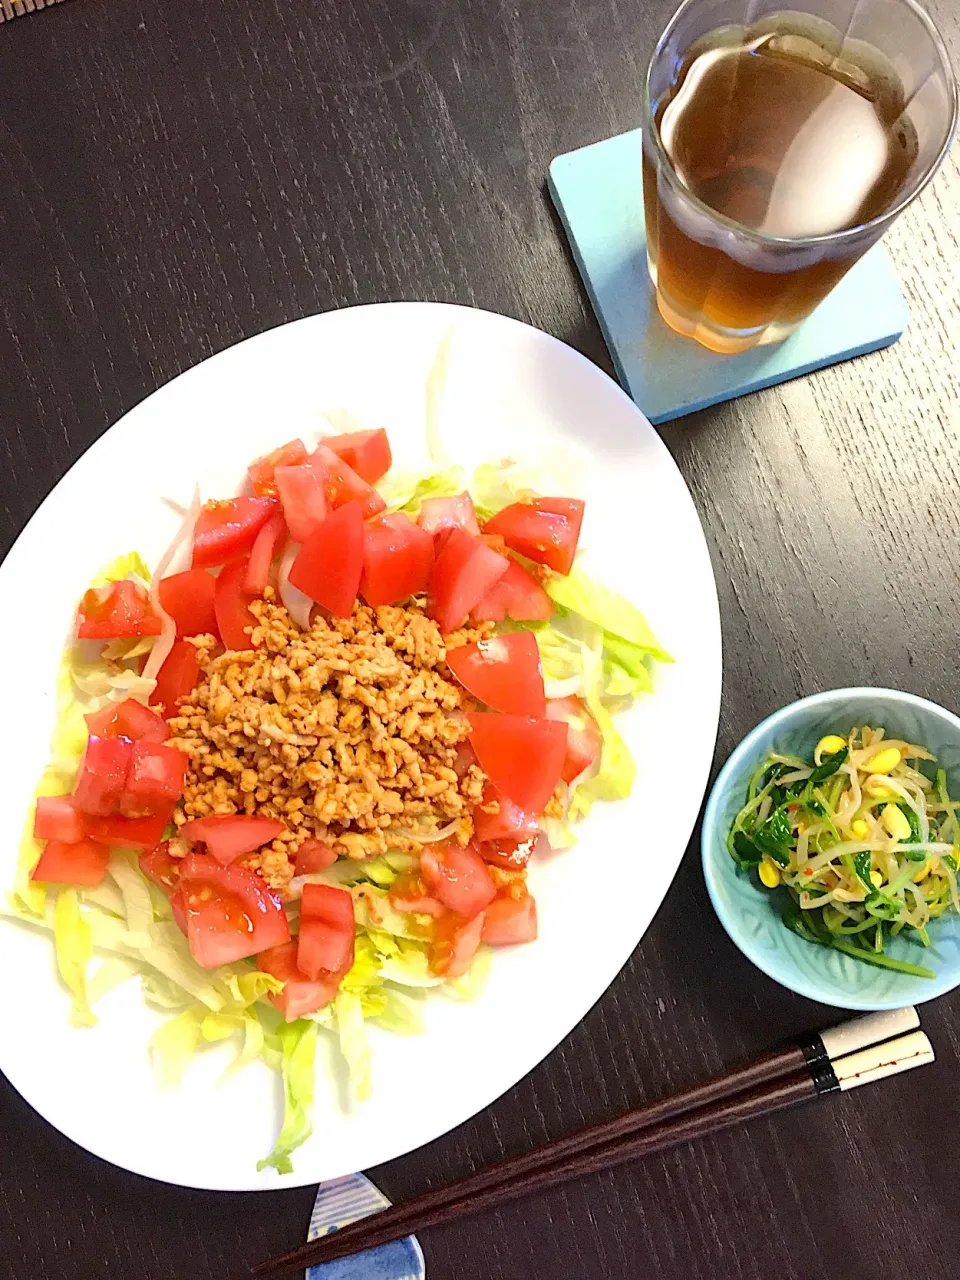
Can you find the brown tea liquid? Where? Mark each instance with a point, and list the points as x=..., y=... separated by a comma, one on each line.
x=770, y=128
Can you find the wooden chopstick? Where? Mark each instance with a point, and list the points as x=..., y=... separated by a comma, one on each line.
x=777, y=1079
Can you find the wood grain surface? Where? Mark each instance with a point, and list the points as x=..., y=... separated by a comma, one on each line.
x=176, y=177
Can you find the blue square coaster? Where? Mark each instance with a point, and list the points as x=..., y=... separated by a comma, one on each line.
x=598, y=192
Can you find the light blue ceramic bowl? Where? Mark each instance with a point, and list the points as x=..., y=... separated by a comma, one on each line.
x=749, y=913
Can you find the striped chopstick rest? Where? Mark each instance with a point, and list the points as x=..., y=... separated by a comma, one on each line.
x=10, y=9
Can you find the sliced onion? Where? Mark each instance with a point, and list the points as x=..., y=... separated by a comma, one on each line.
x=168, y=630
x=421, y=837
x=296, y=602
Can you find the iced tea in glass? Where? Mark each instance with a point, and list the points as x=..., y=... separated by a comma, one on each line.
x=778, y=146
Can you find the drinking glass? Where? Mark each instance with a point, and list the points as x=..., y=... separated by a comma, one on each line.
x=731, y=287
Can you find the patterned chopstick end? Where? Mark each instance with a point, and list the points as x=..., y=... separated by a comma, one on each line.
x=19, y=8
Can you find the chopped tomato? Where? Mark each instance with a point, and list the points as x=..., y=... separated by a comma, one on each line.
x=228, y=835
x=510, y=822
x=464, y=572
x=118, y=611
x=154, y=780
x=188, y=598
x=584, y=739
x=341, y=484
x=103, y=774
x=510, y=920
x=118, y=832
x=457, y=877
x=233, y=612
x=523, y=757
x=409, y=893
x=128, y=719
x=367, y=452
x=503, y=672
x=397, y=559
x=160, y=866
x=176, y=678
x=58, y=818
x=544, y=529
x=82, y=863
x=179, y=909
x=302, y=498
x=329, y=564
x=231, y=912
x=261, y=557
x=227, y=528
x=327, y=931
x=510, y=853
x=454, y=945
x=516, y=595
x=439, y=515
x=300, y=995
x=313, y=855
x=261, y=472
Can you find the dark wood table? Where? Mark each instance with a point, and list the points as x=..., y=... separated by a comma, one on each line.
x=175, y=177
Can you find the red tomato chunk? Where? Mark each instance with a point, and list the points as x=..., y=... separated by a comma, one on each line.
x=176, y=678
x=118, y=832
x=454, y=945
x=228, y=835
x=464, y=572
x=227, y=529
x=159, y=865
x=544, y=529
x=510, y=822
x=439, y=515
x=118, y=611
x=303, y=500
x=103, y=775
x=510, y=920
x=516, y=595
x=58, y=818
x=367, y=452
x=314, y=856
x=257, y=577
x=300, y=995
x=83, y=863
x=504, y=672
x=154, y=780
x=128, y=719
x=261, y=472
x=230, y=912
x=397, y=559
x=234, y=619
x=584, y=739
x=341, y=484
x=522, y=756
x=325, y=944
x=188, y=598
x=458, y=878
x=329, y=564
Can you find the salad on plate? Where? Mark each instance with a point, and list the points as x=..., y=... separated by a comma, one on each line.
x=301, y=767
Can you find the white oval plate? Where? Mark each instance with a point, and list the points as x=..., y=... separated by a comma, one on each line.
x=511, y=390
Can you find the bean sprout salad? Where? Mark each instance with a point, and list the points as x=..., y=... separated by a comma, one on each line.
x=865, y=838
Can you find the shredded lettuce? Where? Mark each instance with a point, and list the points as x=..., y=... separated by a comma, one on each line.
x=73, y=939
x=131, y=565
x=406, y=492
x=292, y=1049
x=609, y=610
x=354, y=1044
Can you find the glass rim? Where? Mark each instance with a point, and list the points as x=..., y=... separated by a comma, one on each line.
x=829, y=237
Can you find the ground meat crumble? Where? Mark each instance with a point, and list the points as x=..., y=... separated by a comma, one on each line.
x=348, y=733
